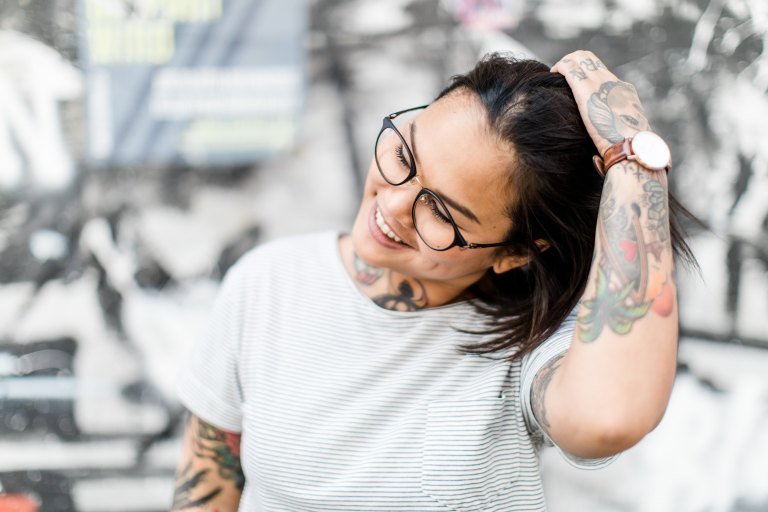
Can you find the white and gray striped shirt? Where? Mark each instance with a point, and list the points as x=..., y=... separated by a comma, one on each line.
x=346, y=406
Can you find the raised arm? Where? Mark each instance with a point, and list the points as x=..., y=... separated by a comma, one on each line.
x=612, y=386
x=209, y=476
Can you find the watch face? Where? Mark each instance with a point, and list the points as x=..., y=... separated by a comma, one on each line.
x=651, y=150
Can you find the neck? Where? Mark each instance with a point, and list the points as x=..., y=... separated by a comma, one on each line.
x=399, y=292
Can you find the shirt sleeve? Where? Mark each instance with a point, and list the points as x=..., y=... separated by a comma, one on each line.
x=554, y=346
x=208, y=384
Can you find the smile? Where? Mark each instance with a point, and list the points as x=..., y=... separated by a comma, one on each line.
x=385, y=227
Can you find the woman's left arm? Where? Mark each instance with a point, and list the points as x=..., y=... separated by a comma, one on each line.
x=612, y=386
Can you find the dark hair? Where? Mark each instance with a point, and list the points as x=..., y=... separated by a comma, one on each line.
x=557, y=191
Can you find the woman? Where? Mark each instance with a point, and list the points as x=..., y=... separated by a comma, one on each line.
x=474, y=313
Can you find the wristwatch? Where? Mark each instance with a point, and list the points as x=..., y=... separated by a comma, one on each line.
x=646, y=148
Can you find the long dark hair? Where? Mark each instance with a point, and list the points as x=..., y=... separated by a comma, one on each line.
x=557, y=193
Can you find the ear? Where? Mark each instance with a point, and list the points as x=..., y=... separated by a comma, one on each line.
x=542, y=244
x=507, y=263
x=511, y=261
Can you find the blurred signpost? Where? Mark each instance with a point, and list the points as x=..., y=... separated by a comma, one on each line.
x=201, y=82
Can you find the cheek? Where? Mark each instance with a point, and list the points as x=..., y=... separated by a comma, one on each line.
x=457, y=260
x=373, y=179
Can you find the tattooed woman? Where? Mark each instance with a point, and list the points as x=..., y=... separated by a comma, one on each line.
x=495, y=294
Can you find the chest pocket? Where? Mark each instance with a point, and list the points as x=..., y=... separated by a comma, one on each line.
x=471, y=454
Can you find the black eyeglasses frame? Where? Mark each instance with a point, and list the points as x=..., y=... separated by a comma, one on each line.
x=458, y=239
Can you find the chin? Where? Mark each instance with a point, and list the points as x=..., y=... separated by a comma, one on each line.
x=365, y=246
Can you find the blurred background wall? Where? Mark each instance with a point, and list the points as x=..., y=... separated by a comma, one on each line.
x=126, y=193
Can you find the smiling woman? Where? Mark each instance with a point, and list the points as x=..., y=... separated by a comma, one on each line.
x=495, y=293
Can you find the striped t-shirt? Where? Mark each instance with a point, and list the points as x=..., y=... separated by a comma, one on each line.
x=346, y=406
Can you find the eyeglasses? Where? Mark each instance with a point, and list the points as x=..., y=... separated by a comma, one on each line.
x=431, y=218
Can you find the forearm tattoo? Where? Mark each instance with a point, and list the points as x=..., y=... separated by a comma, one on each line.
x=539, y=391
x=197, y=488
x=632, y=244
x=615, y=111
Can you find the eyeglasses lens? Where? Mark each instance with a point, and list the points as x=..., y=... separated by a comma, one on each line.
x=392, y=157
x=432, y=221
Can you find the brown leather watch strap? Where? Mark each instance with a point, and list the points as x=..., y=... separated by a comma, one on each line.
x=598, y=163
x=616, y=153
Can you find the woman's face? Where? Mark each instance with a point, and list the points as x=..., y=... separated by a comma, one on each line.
x=458, y=158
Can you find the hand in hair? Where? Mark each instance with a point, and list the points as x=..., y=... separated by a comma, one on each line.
x=610, y=108
x=613, y=384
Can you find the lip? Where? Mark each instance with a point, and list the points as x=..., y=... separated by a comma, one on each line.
x=378, y=235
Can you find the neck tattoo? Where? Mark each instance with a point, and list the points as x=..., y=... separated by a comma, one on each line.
x=403, y=293
x=364, y=273
x=406, y=294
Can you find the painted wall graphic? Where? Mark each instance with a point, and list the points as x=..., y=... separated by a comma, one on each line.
x=192, y=81
x=107, y=271
x=34, y=80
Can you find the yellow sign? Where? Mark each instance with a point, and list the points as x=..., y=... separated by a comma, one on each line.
x=143, y=33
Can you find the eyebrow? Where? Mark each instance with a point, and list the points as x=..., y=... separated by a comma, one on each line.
x=450, y=202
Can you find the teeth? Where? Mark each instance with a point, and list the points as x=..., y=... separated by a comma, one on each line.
x=385, y=228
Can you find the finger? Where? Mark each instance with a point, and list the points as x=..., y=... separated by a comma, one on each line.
x=584, y=72
x=566, y=62
x=579, y=65
x=560, y=65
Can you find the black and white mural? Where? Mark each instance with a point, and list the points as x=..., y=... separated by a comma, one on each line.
x=107, y=271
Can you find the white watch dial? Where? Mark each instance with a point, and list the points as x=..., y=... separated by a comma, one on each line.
x=651, y=150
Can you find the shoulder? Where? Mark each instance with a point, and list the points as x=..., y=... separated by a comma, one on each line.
x=286, y=250
x=282, y=264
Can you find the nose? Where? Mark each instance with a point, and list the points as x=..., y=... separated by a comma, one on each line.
x=401, y=199
x=415, y=181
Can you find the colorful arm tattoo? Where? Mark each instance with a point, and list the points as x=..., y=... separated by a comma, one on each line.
x=632, y=240
x=197, y=487
x=221, y=447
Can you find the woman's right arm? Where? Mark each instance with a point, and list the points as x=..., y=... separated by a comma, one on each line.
x=209, y=476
